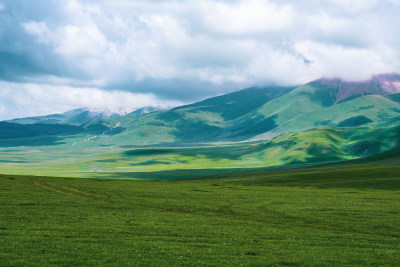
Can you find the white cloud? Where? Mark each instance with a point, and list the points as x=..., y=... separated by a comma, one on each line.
x=40, y=30
x=21, y=100
x=337, y=61
x=246, y=17
x=278, y=65
x=2, y=7
x=355, y=5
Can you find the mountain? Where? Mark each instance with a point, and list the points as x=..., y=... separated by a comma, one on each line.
x=263, y=113
x=215, y=119
x=384, y=84
x=142, y=111
x=326, y=120
x=84, y=115
x=256, y=113
x=16, y=130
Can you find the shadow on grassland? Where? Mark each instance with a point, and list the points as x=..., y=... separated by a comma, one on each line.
x=381, y=171
x=350, y=176
x=363, y=176
x=32, y=141
x=171, y=175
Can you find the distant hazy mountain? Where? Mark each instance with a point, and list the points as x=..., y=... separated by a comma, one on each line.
x=83, y=115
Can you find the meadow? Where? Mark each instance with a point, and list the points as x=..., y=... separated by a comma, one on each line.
x=340, y=214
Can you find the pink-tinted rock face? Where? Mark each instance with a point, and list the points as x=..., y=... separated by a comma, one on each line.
x=384, y=84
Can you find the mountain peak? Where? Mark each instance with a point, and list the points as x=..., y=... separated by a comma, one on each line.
x=83, y=115
x=382, y=84
x=143, y=110
x=389, y=82
x=108, y=112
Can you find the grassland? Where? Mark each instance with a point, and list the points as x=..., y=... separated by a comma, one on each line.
x=342, y=214
x=92, y=158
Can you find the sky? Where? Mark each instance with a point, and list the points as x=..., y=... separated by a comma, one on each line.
x=60, y=55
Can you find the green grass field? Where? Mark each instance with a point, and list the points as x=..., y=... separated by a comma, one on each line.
x=340, y=214
x=94, y=159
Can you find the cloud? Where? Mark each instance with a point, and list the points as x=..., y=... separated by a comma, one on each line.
x=21, y=100
x=187, y=50
x=348, y=63
x=219, y=42
x=245, y=18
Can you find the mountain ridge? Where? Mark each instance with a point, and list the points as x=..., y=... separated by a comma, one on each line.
x=84, y=115
x=255, y=113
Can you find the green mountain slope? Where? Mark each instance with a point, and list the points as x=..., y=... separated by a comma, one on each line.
x=370, y=111
x=224, y=119
x=211, y=120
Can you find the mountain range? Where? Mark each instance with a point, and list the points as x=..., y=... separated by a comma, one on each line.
x=326, y=120
x=83, y=115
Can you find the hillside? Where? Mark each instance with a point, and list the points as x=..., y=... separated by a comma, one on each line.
x=258, y=114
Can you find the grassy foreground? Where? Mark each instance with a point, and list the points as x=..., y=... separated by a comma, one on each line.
x=335, y=215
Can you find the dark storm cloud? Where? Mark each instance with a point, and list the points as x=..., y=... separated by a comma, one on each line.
x=21, y=57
